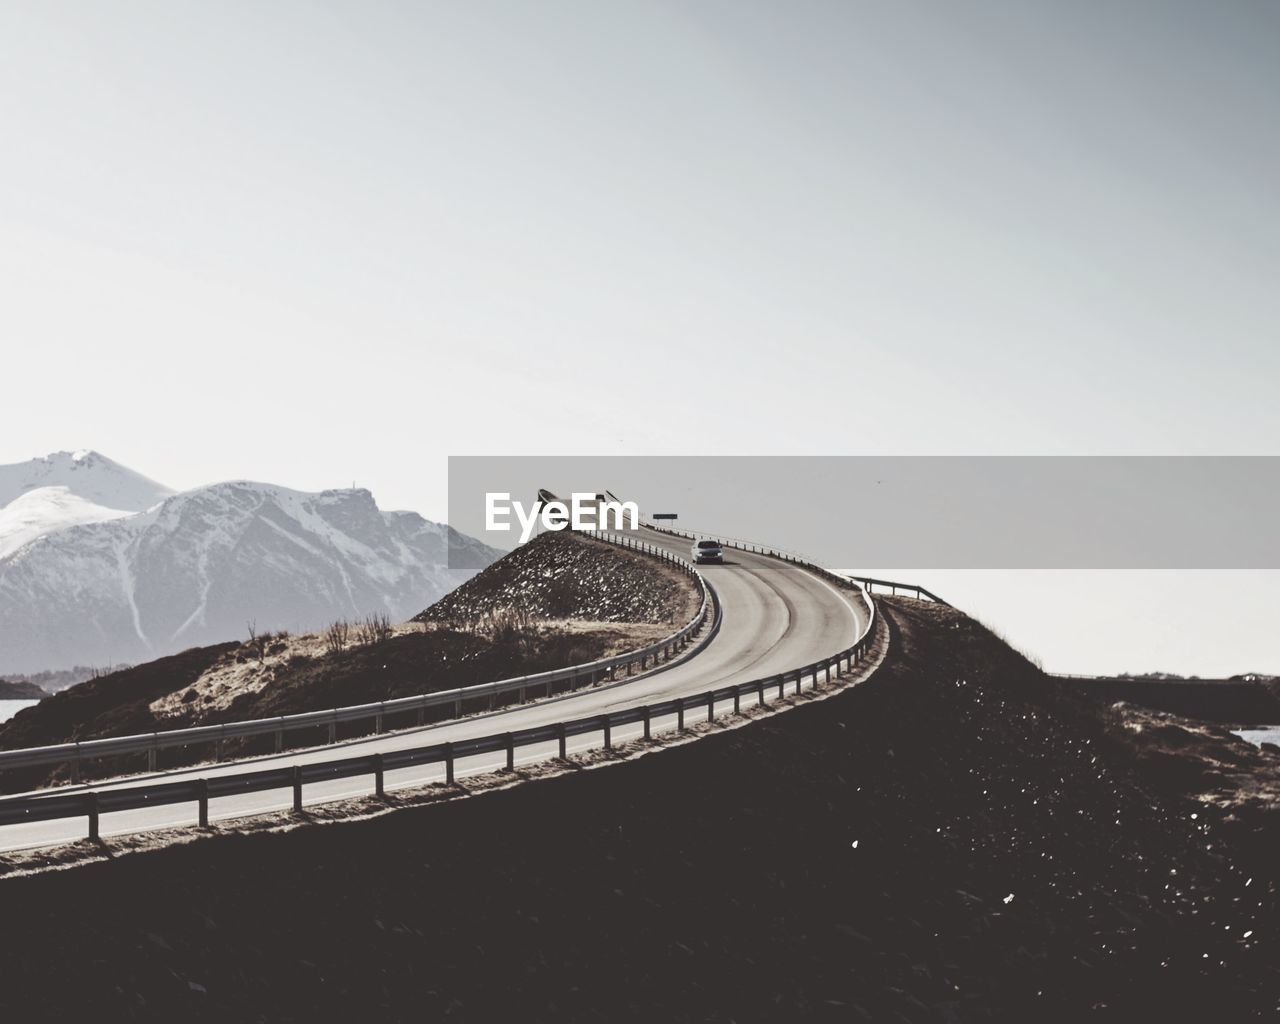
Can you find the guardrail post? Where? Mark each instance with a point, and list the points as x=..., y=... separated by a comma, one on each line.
x=422, y=716
x=782, y=683
x=457, y=708
x=202, y=789
x=680, y=714
x=562, y=734
x=737, y=702
x=711, y=707
x=377, y=722
x=94, y=833
x=760, y=692
x=379, y=778
x=522, y=694
x=297, y=789
x=151, y=759
x=646, y=722
x=448, y=763
x=511, y=751
x=608, y=733
x=333, y=732
x=279, y=740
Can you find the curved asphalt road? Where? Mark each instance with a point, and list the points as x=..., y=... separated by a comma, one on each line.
x=775, y=618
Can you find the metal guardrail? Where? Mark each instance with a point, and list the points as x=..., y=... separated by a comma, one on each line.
x=579, y=676
x=869, y=582
x=92, y=804
x=894, y=587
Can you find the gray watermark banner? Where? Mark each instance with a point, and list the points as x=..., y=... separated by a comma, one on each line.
x=923, y=512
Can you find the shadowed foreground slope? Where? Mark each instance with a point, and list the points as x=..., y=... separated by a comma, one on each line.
x=955, y=840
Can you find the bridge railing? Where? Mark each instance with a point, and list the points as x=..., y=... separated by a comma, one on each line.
x=893, y=586
x=574, y=677
x=91, y=804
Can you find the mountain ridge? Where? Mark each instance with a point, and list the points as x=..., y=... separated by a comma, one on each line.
x=87, y=474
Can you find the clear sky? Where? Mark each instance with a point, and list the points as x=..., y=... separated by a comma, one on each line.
x=320, y=242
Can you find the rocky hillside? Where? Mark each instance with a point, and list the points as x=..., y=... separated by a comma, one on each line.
x=566, y=576
x=958, y=839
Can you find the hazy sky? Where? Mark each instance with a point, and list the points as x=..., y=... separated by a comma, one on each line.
x=312, y=243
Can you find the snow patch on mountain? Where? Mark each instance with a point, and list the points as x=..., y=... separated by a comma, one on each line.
x=44, y=509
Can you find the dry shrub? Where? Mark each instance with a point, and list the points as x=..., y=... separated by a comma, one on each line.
x=373, y=628
x=337, y=636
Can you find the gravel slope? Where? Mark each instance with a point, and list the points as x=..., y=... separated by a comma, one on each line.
x=957, y=839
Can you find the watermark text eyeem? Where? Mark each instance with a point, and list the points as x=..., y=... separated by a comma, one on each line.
x=584, y=511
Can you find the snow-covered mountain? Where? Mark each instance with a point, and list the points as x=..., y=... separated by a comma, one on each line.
x=86, y=474
x=66, y=489
x=119, y=585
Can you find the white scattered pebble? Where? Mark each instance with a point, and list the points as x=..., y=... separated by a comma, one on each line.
x=1009, y=898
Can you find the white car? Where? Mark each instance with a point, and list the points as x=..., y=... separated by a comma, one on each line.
x=707, y=551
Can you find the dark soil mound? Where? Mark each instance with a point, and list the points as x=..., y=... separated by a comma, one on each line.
x=111, y=705
x=564, y=576
x=958, y=839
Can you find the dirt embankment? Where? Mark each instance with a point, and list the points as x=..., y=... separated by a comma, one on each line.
x=957, y=839
x=502, y=623
x=565, y=576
